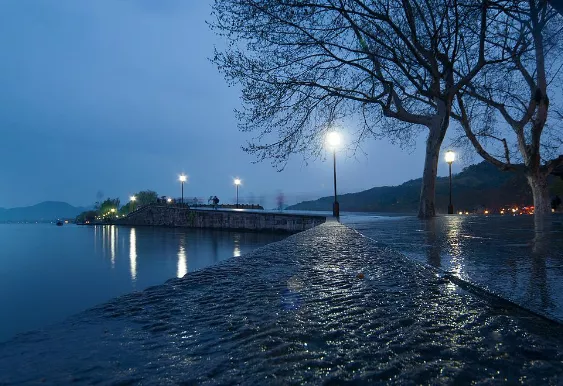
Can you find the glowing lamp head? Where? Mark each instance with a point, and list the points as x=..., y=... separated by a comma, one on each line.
x=183, y=178
x=237, y=181
x=450, y=156
x=169, y=200
x=133, y=198
x=333, y=139
x=112, y=210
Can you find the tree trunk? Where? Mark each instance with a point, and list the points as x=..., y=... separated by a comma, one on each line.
x=540, y=191
x=427, y=207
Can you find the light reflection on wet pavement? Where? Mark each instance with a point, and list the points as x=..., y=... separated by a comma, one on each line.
x=296, y=311
x=505, y=255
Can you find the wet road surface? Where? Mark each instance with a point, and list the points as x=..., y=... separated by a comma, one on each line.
x=505, y=255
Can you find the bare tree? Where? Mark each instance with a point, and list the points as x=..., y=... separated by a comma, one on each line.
x=391, y=66
x=504, y=110
x=557, y=4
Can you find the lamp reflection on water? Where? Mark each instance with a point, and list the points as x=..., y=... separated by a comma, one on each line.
x=104, y=240
x=113, y=234
x=453, y=239
x=182, y=261
x=133, y=254
x=236, y=250
x=95, y=238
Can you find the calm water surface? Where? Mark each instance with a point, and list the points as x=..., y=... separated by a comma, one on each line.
x=48, y=273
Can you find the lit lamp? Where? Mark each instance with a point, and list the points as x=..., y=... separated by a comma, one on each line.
x=333, y=141
x=450, y=158
x=132, y=199
x=183, y=178
x=237, y=183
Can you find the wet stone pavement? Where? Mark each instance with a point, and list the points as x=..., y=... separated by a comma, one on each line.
x=296, y=311
x=504, y=255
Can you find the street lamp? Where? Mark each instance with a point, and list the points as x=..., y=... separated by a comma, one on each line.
x=333, y=141
x=450, y=158
x=132, y=199
x=237, y=183
x=183, y=178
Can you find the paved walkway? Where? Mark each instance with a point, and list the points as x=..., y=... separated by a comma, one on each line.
x=323, y=306
x=504, y=255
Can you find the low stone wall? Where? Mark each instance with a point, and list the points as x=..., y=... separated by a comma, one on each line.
x=163, y=215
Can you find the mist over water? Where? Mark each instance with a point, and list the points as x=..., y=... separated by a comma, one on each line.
x=48, y=273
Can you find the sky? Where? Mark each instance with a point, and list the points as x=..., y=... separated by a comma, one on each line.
x=117, y=96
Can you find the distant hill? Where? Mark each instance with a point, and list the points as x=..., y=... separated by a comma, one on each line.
x=481, y=185
x=45, y=211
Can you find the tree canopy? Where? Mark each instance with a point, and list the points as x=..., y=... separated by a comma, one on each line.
x=511, y=111
x=145, y=197
x=108, y=205
x=392, y=67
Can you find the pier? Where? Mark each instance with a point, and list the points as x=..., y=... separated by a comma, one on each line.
x=259, y=220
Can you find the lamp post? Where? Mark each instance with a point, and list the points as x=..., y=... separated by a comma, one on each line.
x=450, y=158
x=237, y=183
x=333, y=141
x=132, y=199
x=183, y=179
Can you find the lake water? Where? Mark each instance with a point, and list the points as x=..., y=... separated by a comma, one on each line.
x=48, y=273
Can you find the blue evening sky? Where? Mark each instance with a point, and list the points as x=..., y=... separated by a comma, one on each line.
x=119, y=95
